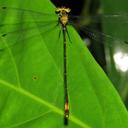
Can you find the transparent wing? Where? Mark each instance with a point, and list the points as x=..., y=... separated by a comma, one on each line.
x=82, y=24
x=23, y=33
x=16, y=13
x=18, y=22
x=122, y=18
x=110, y=18
x=5, y=8
x=101, y=37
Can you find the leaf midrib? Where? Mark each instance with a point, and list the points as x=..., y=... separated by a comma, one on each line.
x=43, y=102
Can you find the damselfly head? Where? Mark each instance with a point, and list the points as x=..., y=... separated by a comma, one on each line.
x=63, y=15
x=63, y=10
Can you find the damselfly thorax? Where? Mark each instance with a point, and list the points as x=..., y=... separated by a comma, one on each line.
x=63, y=15
x=25, y=22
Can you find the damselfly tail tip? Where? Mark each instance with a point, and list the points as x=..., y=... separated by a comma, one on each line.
x=65, y=121
x=66, y=113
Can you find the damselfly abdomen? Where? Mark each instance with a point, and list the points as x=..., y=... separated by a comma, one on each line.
x=60, y=21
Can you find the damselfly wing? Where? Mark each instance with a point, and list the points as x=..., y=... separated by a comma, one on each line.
x=21, y=20
x=28, y=20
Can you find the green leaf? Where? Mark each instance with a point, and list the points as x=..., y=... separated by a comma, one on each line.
x=31, y=80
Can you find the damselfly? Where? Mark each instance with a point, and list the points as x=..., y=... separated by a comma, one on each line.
x=62, y=19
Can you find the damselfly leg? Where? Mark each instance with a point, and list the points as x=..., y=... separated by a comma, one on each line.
x=45, y=22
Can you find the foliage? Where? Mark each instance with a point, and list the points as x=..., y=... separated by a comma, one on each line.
x=31, y=79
